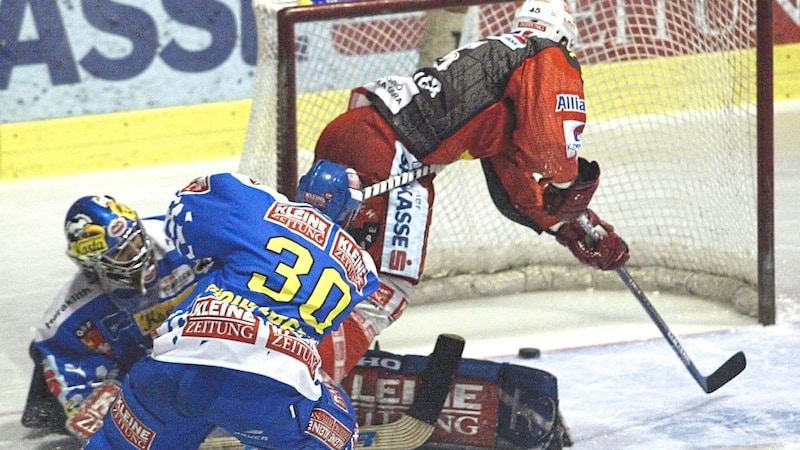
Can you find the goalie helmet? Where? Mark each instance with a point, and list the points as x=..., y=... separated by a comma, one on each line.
x=333, y=189
x=550, y=19
x=106, y=240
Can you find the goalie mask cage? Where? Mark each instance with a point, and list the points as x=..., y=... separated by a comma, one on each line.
x=679, y=103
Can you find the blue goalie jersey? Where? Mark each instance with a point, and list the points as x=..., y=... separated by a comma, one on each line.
x=89, y=336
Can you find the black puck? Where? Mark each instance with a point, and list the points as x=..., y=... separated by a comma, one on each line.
x=529, y=352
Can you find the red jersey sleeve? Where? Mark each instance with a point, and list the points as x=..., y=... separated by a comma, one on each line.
x=547, y=94
x=547, y=97
x=487, y=134
x=523, y=191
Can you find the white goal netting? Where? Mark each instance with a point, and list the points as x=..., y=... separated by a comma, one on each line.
x=670, y=91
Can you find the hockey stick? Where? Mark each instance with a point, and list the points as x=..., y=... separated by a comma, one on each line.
x=415, y=426
x=725, y=373
x=418, y=423
x=402, y=179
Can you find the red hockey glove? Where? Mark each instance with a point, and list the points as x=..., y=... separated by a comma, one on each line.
x=609, y=253
x=567, y=204
x=85, y=422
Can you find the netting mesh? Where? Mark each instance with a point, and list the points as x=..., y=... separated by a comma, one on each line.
x=670, y=90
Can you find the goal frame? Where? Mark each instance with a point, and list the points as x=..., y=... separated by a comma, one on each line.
x=765, y=142
x=287, y=139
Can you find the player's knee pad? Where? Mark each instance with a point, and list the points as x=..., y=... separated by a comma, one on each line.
x=344, y=347
x=383, y=307
x=333, y=407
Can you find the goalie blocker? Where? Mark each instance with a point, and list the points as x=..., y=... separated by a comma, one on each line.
x=490, y=405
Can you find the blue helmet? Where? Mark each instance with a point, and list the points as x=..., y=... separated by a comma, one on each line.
x=333, y=189
x=106, y=240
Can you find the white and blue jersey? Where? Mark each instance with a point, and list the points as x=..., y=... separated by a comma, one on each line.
x=288, y=276
x=241, y=352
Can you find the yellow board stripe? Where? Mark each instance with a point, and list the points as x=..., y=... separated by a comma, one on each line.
x=787, y=72
x=315, y=111
x=121, y=140
x=217, y=130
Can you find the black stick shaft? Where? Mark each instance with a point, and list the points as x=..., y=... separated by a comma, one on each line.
x=396, y=181
x=730, y=369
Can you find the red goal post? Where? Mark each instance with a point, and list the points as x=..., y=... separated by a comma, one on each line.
x=679, y=118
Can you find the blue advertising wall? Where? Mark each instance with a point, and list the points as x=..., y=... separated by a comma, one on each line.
x=90, y=84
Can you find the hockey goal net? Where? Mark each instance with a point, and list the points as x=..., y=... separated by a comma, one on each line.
x=671, y=95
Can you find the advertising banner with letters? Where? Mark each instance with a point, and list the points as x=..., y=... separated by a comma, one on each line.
x=71, y=58
x=65, y=58
x=132, y=74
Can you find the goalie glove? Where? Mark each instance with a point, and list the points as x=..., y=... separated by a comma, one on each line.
x=567, y=204
x=609, y=253
x=85, y=422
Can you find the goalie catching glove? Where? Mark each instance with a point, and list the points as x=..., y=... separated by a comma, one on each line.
x=609, y=253
x=85, y=422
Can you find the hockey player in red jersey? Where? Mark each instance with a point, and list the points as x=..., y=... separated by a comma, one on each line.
x=516, y=102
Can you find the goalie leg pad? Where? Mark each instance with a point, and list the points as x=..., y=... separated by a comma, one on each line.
x=42, y=408
x=491, y=405
x=85, y=422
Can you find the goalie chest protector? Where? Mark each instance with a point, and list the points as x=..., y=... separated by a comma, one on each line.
x=490, y=405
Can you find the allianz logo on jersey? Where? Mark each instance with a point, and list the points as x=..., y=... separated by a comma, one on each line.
x=570, y=102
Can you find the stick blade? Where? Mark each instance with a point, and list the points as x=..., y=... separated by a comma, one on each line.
x=438, y=378
x=726, y=372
